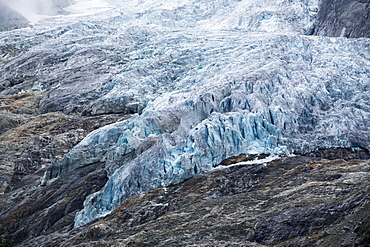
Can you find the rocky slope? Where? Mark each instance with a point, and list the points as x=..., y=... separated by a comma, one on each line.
x=136, y=111
x=298, y=201
x=317, y=200
x=10, y=19
x=343, y=18
x=30, y=141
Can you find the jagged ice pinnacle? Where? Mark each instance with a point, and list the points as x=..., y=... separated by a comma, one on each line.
x=257, y=94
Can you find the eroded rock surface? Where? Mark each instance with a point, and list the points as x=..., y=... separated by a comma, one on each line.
x=43, y=210
x=292, y=201
x=344, y=18
x=30, y=142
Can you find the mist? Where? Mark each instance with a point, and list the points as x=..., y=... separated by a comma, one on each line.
x=33, y=10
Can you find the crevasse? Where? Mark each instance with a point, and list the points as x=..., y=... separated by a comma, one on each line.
x=286, y=94
x=212, y=79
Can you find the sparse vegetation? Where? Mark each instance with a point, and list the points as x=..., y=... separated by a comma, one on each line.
x=5, y=243
x=364, y=235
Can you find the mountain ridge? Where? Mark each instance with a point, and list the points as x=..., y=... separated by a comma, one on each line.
x=11, y=19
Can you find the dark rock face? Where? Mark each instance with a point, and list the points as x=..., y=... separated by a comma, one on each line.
x=344, y=18
x=46, y=209
x=31, y=141
x=10, y=19
x=293, y=201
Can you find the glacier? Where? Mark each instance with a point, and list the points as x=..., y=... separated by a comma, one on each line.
x=202, y=81
x=259, y=94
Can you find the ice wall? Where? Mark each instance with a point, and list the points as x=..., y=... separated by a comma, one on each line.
x=261, y=94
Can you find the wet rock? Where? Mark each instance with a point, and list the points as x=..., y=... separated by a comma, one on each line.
x=341, y=153
x=25, y=103
x=38, y=140
x=30, y=142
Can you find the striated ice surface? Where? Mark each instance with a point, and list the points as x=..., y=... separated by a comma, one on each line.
x=204, y=80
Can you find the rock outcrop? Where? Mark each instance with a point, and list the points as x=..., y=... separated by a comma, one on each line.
x=321, y=199
x=343, y=18
x=31, y=141
x=42, y=210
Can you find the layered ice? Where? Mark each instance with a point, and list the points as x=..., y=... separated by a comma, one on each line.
x=204, y=80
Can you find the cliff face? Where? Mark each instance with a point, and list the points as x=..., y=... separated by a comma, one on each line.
x=10, y=19
x=123, y=127
x=344, y=18
x=317, y=200
x=297, y=201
